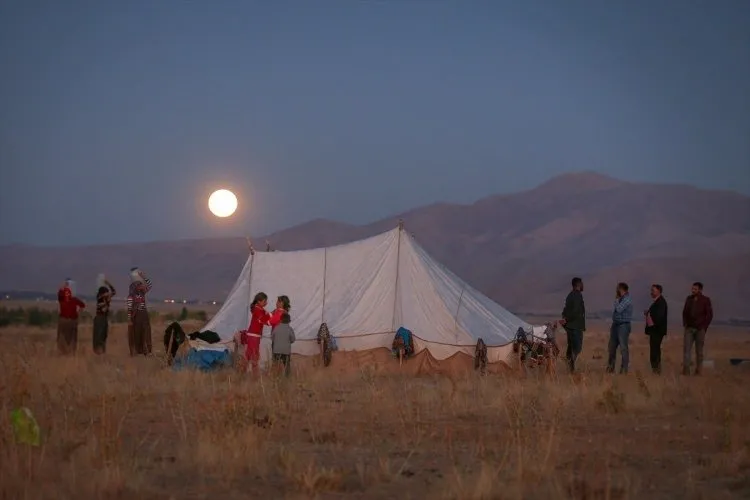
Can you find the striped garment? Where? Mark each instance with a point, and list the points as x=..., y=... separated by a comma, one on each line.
x=136, y=300
x=104, y=300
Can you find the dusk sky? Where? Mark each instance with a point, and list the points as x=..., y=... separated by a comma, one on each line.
x=117, y=119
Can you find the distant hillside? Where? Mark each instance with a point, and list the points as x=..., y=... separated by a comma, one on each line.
x=521, y=249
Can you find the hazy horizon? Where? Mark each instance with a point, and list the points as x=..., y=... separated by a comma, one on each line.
x=118, y=120
x=260, y=242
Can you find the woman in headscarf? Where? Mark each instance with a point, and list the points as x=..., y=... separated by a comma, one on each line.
x=139, y=325
x=101, y=320
x=67, y=323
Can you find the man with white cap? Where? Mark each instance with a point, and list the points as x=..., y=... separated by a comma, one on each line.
x=139, y=324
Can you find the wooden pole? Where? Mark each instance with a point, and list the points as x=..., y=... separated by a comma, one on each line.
x=169, y=348
x=398, y=266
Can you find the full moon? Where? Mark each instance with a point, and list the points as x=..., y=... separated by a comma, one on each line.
x=222, y=203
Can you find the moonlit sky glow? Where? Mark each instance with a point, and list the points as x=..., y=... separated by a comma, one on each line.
x=351, y=110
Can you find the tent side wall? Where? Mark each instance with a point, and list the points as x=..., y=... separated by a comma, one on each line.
x=473, y=314
x=350, y=287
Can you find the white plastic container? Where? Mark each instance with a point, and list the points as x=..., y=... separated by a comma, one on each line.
x=72, y=285
x=135, y=274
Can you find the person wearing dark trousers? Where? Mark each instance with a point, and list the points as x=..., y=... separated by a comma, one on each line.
x=619, y=332
x=656, y=326
x=101, y=319
x=697, y=315
x=282, y=338
x=574, y=322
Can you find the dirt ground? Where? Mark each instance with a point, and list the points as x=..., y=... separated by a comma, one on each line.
x=116, y=427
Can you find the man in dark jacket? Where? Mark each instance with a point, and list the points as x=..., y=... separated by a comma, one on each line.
x=574, y=321
x=696, y=318
x=656, y=326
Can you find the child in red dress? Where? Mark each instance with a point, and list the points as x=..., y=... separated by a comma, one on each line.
x=258, y=319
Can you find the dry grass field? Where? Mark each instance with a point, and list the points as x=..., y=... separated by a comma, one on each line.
x=116, y=427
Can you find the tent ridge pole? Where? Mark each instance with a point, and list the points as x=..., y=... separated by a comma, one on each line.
x=250, y=286
x=398, y=267
x=325, y=272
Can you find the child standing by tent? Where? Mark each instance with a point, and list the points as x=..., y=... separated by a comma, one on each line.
x=259, y=318
x=67, y=323
x=282, y=340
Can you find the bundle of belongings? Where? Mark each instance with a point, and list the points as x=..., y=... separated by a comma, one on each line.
x=327, y=343
x=175, y=337
x=480, y=356
x=537, y=347
x=206, y=336
x=403, y=343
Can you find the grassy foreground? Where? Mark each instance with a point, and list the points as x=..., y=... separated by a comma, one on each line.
x=115, y=427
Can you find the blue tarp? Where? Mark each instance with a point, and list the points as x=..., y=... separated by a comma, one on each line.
x=203, y=360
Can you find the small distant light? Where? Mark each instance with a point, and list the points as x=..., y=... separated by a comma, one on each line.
x=184, y=301
x=214, y=302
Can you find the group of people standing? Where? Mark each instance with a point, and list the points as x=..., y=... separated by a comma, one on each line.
x=697, y=315
x=282, y=333
x=139, y=324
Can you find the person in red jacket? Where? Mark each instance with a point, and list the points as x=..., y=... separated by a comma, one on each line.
x=282, y=306
x=258, y=319
x=696, y=318
x=67, y=323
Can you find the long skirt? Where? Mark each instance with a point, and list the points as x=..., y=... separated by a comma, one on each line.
x=67, y=335
x=139, y=334
x=101, y=331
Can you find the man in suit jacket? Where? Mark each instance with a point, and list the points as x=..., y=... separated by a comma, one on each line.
x=696, y=318
x=656, y=325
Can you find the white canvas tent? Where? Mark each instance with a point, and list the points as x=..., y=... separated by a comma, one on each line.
x=365, y=291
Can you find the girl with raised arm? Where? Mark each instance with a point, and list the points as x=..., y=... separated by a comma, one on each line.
x=258, y=319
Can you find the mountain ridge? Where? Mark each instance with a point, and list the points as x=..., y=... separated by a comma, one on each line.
x=519, y=248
